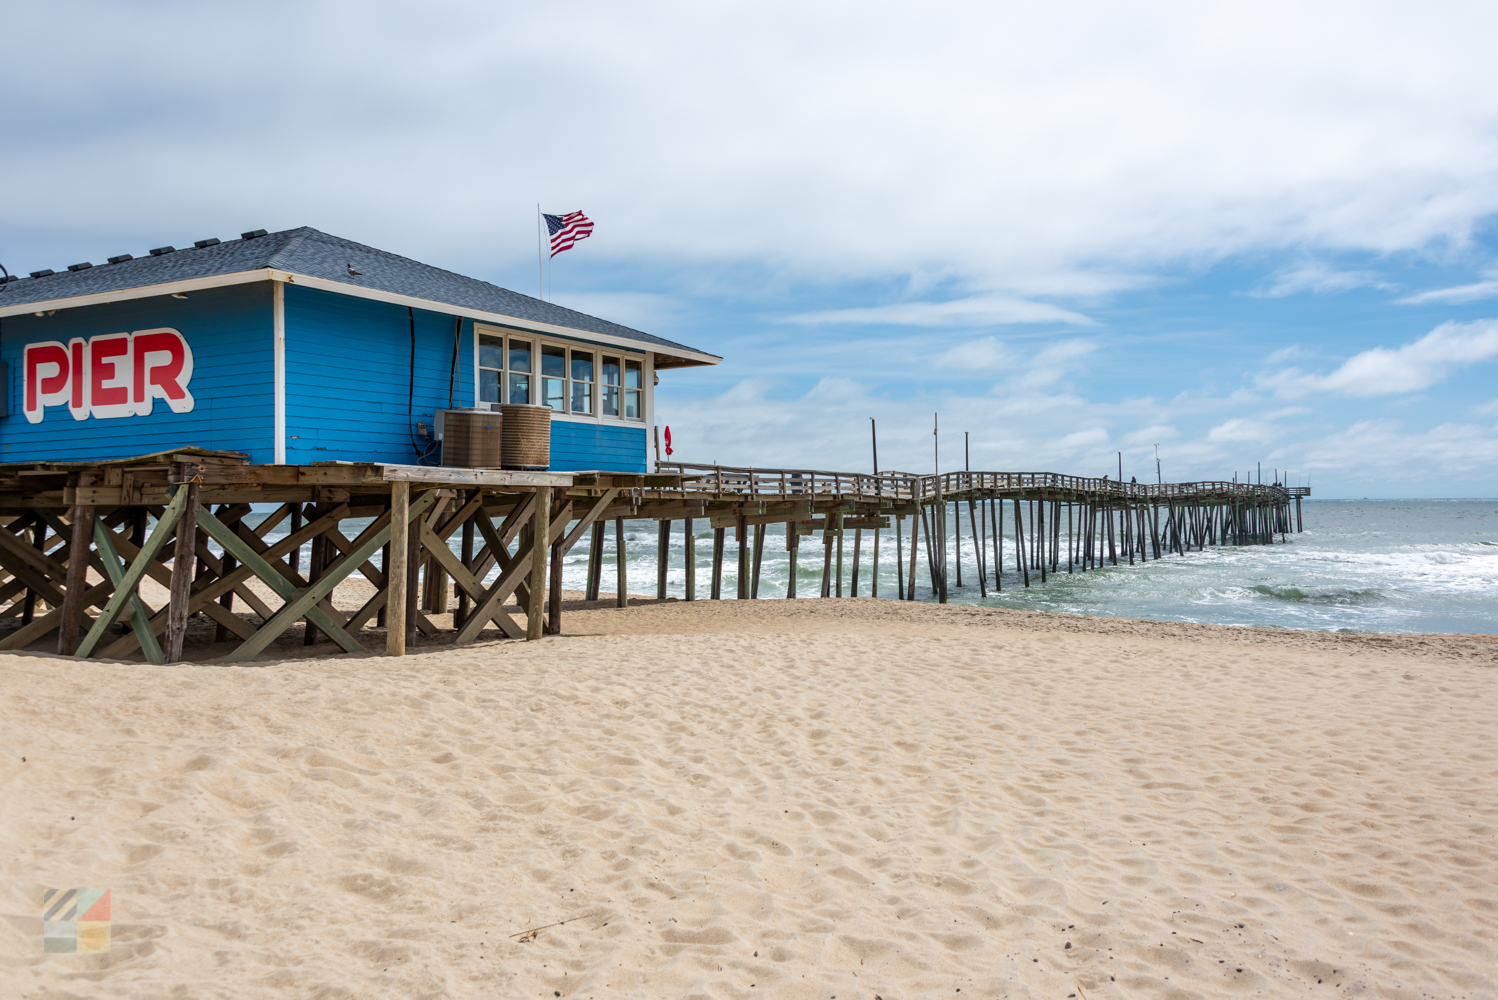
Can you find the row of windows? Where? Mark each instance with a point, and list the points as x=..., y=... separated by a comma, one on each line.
x=569, y=380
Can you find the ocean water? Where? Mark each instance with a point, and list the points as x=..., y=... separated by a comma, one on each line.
x=1412, y=566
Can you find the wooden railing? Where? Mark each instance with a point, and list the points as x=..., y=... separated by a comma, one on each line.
x=737, y=481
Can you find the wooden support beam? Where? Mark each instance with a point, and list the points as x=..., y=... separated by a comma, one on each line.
x=465, y=557
x=793, y=546
x=717, y=570
x=305, y=600
x=621, y=566
x=899, y=558
x=395, y=579
x=184, y=565
x=759, y=558
x=741, y=534
x=662, y=553
x=976, y=526
x=827, y=541
x=140, y=615
x=413, y=576
x=165, y=525
x=39, y=542
x=915, y=534
x=689, y=558
x=540, y=535
x=554, y=587
x=857, y=560
x=595, y=563
x=839, y=536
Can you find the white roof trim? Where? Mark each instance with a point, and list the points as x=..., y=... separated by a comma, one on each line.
x=342, y=288
x=138, y=292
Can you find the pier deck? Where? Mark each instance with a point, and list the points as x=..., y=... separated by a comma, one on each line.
x=79, y=538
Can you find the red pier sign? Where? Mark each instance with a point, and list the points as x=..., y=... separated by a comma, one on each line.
x=111, y=375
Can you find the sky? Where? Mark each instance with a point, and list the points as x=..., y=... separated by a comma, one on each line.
x=1084, y=234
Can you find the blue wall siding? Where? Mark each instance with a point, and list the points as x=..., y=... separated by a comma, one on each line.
x=348, y=375
x=230, y=333
x=609, y=447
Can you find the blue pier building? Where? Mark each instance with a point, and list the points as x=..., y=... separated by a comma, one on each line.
x=299, y=347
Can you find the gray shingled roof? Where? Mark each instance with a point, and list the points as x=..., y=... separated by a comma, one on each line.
x=318, y=255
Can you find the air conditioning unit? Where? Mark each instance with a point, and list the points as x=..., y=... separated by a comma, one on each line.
x=471, y=439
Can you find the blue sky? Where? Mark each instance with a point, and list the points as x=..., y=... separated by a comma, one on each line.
x=1246, y=233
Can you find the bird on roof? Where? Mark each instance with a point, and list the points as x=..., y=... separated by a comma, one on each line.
x=351, y=272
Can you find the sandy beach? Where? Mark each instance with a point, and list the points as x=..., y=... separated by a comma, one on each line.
x=812, y=799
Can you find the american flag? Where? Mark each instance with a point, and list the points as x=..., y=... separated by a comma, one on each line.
x=567, y=230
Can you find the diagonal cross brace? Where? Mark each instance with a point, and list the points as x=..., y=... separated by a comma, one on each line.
x=138, y=567
x=303, y=602
x=512, y=575
x=274, y=578
x=114, y=568
x=465, y=579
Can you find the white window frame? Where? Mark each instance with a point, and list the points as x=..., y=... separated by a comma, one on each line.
x=598, y=351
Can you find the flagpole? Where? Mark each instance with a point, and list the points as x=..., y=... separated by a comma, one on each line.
x=540, y=288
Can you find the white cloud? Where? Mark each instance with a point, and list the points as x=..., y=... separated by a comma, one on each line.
x=1455, y=295
x=1489, y=409
x=993, y=146
x=1241, y=429
x=1458, y=451
x=1383, y=371
x=1055, y=361
x=1319, y=278
x=986, y=354
x=640, y=310
x=985, y=310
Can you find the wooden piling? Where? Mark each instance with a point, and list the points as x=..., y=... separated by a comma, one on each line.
x=741, y=533
x=689, y=558
x=39, y=543
x=839, y=517
x=915, y=534
x=595, y=562
x=315, y=563
x=998, y=544
x=793, y=547
x=899, y=557
x=395, y=572
x=857, y=559
x=413, y=593
x=465, y=553
x=975, y=523
x=759, y=558
x=540, y=533
x=827, y=539
x=662, y=554
x=717, y=579
x=621, y=565
x=75, y=578
x=184, y=568
x=1038, y=531
x=957, y=537
x=554, y=586
x=1020, y=564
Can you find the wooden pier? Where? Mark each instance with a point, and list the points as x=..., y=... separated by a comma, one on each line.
x=78, y=540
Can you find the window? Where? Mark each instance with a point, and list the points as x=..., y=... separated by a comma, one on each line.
x=520, y=371
x=608, y=391
x=569, y=380
x=582, y=382
x=634, y=390
x=491, y=364
x=554, y=377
